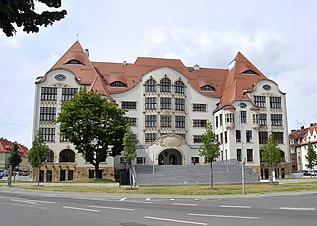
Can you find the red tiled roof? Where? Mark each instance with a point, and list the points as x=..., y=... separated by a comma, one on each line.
x=6, y=146
x=228, y=84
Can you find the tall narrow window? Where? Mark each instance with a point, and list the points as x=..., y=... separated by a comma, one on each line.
x=165, y=85
x=262, y=120
x=179, y=121
x=243, y=115
x=166, y=103
x=238, y=136
x=166, y=121
x=250, y=155
x=249, y=135
x=239, y=156
x=179, y=104
x=275, y=102
x=150, y=103
x=276, y=119
x=179, y=87
x=263, y=137
x=150, y=120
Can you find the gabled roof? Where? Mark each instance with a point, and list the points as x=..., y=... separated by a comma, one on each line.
x=7, y=146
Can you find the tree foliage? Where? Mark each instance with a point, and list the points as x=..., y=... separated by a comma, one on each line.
x=15, y=158
x=94, y=125
x=22, y=13
x=38, y=153
x=271, y=153
x=311, y=156
x=129, y=149
x=209, y=148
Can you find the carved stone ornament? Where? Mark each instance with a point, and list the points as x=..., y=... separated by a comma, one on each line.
x=170, y=140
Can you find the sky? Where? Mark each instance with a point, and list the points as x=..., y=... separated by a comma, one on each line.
x=277, y=36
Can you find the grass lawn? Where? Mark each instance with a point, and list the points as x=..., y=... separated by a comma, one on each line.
x=228, y=189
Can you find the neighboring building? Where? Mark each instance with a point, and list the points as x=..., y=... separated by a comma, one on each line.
x=5, y=150
x=298, y=140
x=168, y=107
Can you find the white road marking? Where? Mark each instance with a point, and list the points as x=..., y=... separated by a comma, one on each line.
x=122, y=199
x=40, y=201
x=77, y=208
x=140, y=202
x=294, y=208
x=172, y=199
x=223, y=216
x=148, y=199
x=112, y=208
x=173, y=220
x=184, y=204
x=242, y=207
x=23, y=201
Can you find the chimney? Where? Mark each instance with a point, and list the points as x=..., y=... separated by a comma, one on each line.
x=196, y=67
x=302, y=127
x=125, y=63
x=87, y=52
x=313, y=124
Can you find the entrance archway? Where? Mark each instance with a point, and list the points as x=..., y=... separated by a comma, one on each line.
x=170, y=157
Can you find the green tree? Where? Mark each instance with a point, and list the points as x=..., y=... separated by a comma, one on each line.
x=38, y=153
x=15, y=158
x=311, y=157
x=94, y=125
x=271, y=154
x=209, y=149
x=129, y=151
x=22, y=14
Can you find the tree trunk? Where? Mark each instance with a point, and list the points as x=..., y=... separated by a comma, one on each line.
x=97, y=174
x=38, y=176
x=130, y=176
x=211, y=176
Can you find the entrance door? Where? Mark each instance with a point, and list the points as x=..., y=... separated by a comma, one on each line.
x=170, y=157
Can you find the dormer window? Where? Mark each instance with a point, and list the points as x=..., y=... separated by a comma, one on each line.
x=207, y=88
x=250, y=72
x=74, y=61
x=117, y=84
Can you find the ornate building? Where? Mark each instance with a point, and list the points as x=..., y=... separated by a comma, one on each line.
x=168, y=107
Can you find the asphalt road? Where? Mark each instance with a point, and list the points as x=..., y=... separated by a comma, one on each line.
x=20, y=207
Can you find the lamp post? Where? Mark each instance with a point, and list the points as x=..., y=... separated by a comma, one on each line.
x=244, y=92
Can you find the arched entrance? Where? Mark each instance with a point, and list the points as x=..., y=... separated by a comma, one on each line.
x=170, y=157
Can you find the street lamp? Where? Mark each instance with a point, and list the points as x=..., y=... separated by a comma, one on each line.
x=244, y=92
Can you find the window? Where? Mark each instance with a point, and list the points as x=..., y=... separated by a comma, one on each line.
x=279, y=137
x=74, y=61
x=49, y=175
x=117, y=84
x=48, y=134
x=131, y=121
x=166, y=121
x=263, y=137
x=140, y=160
x=62, y=138
x=150, y=120
x=67, y=155
x=179, y=121
x=179, y=104
x=249, y=135
x=259, y=101
x=220, y=120
x=150, y=137
x=48, y=93
x=199, y=107
x=47, y=113
x=128, y=105
x=250, y=155
x=261, y=155
x=150, y=86
x=262, y=120
x=134, y=137
x=207, y=88
x=238, y=136
x=181, y=135
x=249, y=72
x=275, y=102
x=68, y=93
x=122, y=160
x=226, y=137
x=166, y=103
x=50, y=156
x=150, y=103
x=229, y=118
x=243, y=115
x=195, y=160
x=282, y=156
x=165, y=85
x=179, y=87
x=199, y=122
x=276, y=119
x=217, y=122
x=239, y=156
x=255, y=118
x=221, y=138
x=197, y=138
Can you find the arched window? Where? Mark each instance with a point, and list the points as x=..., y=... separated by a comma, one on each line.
x=179, y=87
x=282, y=156
x=150, y=85
x=117, y=84
x=50, y=156
x=207, y=88
x=165, y=85
x=67, y=155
